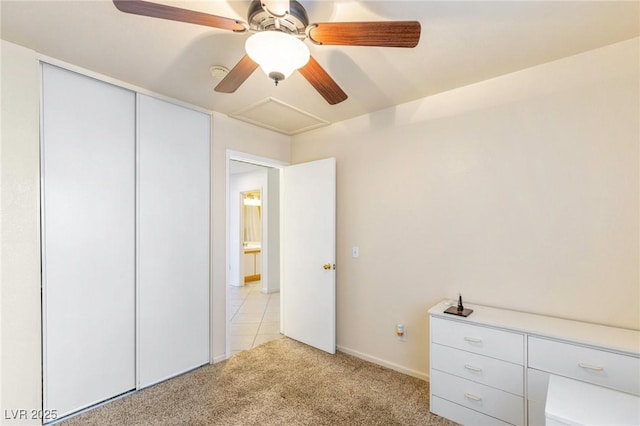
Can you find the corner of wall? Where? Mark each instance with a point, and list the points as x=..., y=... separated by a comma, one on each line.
x=20, y=251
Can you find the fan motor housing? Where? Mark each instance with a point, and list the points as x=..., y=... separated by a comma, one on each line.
x=295, y=22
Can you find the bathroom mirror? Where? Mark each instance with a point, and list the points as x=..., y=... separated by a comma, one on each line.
x=252, y=219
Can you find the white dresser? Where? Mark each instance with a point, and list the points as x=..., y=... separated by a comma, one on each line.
x=493, y=367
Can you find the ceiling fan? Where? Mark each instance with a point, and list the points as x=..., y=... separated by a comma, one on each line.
x=279, y=29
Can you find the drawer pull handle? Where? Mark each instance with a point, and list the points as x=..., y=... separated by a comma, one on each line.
x=590, y=367
x=472, y=340
x=472, y=397
x=472, y=368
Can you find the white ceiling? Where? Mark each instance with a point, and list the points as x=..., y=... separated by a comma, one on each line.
x=461, y=43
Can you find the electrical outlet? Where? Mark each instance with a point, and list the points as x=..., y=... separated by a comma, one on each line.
x=401, y=332
x=355, y=252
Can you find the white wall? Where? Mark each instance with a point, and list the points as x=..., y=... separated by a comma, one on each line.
x=521, y=192
x=20, y=226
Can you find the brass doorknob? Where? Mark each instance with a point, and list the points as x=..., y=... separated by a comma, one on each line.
x=326, y=266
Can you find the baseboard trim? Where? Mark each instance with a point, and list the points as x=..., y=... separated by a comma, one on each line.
x=219, y=358
x=399, y=368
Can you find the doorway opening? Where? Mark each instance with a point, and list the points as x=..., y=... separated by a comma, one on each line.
x=251, y=235
x=302, y=252
x=253, y=251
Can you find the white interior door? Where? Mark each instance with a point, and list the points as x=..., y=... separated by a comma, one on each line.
x=173, y=239
x=309, y=246
x=88, y=245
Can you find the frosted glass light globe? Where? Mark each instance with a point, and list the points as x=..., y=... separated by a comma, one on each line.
x=278, y=54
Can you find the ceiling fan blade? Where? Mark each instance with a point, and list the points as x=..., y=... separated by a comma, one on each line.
x=156, y=10
x=237, y=75
x=383, y=34
x=322, y=82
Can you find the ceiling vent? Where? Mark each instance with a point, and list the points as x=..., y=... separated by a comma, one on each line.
x=275, y=115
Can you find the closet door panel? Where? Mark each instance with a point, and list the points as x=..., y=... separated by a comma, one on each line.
x=173, y=240
x=88, y=169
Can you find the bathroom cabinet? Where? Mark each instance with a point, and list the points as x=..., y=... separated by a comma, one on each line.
x=493, y=367
x=252, y=265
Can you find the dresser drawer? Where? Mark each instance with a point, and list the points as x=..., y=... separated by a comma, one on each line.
x=487, y=400
x=535, y=412
x=479, y=368
x=599, y=367
x=462, y=415
x=537, y=384
x=504, y=345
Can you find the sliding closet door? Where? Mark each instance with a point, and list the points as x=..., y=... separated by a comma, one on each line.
x=88, y=169
x=173, y=239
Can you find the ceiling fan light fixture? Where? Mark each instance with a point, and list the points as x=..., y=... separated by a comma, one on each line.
x=279, y=54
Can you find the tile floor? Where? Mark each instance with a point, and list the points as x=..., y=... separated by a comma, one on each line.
x=255, y=316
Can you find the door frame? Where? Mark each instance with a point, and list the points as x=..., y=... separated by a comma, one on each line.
x=258, y=161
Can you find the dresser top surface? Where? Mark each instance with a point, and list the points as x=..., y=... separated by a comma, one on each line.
x=613, y=338
x=574, y=402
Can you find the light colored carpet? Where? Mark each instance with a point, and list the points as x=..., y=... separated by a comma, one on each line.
x=282, y=382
